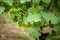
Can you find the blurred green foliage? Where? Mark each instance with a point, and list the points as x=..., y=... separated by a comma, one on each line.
x=33, y=14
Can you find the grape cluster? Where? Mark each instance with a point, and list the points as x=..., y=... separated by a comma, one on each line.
x=16, y=14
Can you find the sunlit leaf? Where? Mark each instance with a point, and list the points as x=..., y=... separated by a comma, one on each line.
x=33, y=18
x=36, y=9
x=50, y=17
x=34, y=32
x=39, y=8
x=23, y=1
x=51, y=38
x=46, y=1
x=2, y=9
x=32, y=10
x=56, y=28
x=9, y=1
x=36, y=1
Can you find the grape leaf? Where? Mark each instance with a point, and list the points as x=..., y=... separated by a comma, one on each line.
x=56, y=28
x=50, y=16
x=32, y=10
x=36, y=1
x=46, y=1
x=59, y=19
x=39, y=8
x=9, y=1
x=23, y=1
x=17, y=1
x=34, y=32
x=28, y=0
x=2, y=9
x=51, y=38
x=36, y=9
x=33, y=18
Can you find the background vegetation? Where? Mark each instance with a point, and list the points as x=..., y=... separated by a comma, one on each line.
x=41, y=17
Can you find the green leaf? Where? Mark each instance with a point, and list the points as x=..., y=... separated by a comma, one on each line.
x=36, y=1
x=46, y=1
x=33, y=18
x=51, y=38
x=2, y=9
x=50, y=17
x=9, y=1
x=23, y=1
x=34, y=32
x=36, y=9
x=59, y=19
x=32, y=10
x=28, y=0
x=17, y=1
x=39, y=8
x=56, y=28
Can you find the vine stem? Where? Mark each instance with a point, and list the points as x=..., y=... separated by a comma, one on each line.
x=51, y=6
